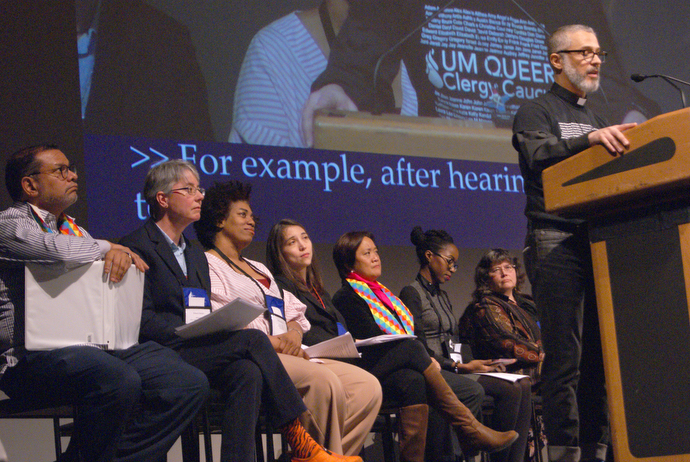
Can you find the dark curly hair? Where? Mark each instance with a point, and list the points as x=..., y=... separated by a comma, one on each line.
x=216, y=207
x=481, y=272
x=345, y=250
x=433, y=239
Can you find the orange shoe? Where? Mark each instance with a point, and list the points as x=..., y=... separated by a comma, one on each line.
x=324, y=455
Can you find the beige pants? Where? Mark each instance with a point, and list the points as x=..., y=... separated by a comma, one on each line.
x=342, y=401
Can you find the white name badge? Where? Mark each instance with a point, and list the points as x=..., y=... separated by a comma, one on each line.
x=192, y=314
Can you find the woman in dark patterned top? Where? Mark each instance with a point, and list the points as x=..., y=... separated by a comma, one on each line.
x=501, y=321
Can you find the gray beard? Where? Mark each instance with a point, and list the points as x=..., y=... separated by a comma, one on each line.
x=580, y=81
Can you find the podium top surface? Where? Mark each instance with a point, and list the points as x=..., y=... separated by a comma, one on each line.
x=413, y=136
x=655, y=168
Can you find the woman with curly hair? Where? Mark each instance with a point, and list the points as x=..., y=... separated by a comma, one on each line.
x=500, y=322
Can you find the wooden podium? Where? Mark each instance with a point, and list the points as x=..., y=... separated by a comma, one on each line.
x=638, y=208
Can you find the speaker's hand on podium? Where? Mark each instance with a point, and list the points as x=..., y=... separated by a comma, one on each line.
x=612, y=138
x=331, y=96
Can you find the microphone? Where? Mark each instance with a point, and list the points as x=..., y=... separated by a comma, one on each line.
x=396, y=46
x=667, y=78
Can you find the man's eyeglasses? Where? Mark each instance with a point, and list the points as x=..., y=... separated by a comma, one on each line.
x=190, y=190
x=62, y=169
x=449, y=261
x=502, y=268
x=588, y=55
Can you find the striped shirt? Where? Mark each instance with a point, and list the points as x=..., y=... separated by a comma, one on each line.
x=281, y=63
x=227, y=284
x=23, y=241
x=574, y=129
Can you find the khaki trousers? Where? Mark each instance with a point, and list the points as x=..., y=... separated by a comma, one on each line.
x=342, y=401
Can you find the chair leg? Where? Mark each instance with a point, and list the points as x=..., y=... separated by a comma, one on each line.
x=536, y=431
x=190, y=443
x=259, y=444
x=270, y=449
x=206, y=428
x=387, y=440
x=58, y=438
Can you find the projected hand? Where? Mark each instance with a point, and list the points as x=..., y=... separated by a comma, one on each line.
x=329, y=97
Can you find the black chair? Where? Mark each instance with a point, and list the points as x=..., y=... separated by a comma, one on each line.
x=10, y=409
x=535, y=425
x=386, y=425
x=209, y=422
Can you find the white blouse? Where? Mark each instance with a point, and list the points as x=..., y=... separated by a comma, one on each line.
x=227, y=284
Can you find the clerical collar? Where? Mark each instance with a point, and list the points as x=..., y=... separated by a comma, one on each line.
x=568, y=95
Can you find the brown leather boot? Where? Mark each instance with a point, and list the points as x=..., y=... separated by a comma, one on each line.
x=412, y=422
x=472, y=435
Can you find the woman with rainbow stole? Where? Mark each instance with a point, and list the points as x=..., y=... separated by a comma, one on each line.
x=403, y=366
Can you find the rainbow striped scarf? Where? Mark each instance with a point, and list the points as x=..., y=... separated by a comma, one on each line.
x=386, y=321
x=65, y=224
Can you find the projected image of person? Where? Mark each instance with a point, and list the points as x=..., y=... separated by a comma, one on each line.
x=404, y=367
x=343, y=400
x=138, y=73
x=436, y=327
x=282, y=61
x=474, y=61
x=552, y=128
x=290, y=255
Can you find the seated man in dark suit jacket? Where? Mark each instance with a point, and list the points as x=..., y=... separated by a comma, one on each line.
x=242, y=365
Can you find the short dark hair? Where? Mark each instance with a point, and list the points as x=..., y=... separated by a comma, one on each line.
x=216, y=207
x=481, y=272
x=276, y=261
x=560, y=39
x=23, y=163
x=433, y=239
x=345, y=250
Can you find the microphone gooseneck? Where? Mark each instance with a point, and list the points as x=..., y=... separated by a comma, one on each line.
x=670, y=80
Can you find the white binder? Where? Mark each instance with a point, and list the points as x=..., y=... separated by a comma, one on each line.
x=81, y=306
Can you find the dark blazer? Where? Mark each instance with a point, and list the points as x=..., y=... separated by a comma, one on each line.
x=163, y=305
x=146, y=79
x=323, y=320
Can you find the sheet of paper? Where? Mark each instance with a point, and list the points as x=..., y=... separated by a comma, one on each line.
x=341, y=346
x=504, y=376
x=382, y=339
x=233, y=316
x=81, y=306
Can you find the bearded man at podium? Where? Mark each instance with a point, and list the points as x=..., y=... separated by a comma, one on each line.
x=547, y=130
